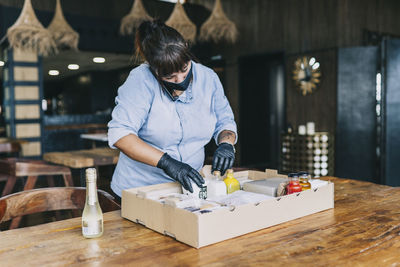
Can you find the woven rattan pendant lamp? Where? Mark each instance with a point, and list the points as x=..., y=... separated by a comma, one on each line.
x=218, y=27
x=180, y=22
x=28, y=33
x=137, y=15
x=63, y=34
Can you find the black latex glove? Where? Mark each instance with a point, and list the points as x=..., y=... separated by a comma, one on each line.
x=180, y=172
x=224, y=156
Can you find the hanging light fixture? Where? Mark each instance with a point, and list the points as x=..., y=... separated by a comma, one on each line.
x=218, y=27
x=62, y=32
x=180, y=22
x=137, y=15
x=28, y=33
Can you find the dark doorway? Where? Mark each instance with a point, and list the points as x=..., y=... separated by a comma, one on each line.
x=355, y=150
x=368, y=121
x=390, y=143
x=261, y=100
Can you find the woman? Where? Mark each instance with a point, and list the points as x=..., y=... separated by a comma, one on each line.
x=167, y=110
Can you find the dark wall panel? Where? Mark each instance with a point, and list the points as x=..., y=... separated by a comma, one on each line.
x=392, y=113
x=356, y=117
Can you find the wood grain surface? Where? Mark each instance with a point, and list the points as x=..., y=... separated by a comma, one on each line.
x=362, y=230
x=5, y=140
x=84, y=158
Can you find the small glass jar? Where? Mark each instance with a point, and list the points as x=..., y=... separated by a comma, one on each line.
x=294, y=184
x=304, y=180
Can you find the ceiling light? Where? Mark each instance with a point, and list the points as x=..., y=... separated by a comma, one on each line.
x=54, y=72
x=84, y=79
x=73, y=66
x=44, y=104
x=99, y=60
x=315, y=66
x=173, y=1
x=1, y=63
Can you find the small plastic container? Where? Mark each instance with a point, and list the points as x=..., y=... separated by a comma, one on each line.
x=198, y=192
x=216, y=187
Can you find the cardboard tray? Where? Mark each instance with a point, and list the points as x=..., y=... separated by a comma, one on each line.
x=198, y=230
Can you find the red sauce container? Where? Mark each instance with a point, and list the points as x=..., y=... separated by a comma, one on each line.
x=294, y=184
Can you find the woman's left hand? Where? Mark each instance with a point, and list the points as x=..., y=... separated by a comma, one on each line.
x=224, y=156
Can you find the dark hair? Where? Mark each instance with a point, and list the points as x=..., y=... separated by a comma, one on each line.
x=162, y=47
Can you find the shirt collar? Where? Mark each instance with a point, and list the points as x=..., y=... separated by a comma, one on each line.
x=187, y=95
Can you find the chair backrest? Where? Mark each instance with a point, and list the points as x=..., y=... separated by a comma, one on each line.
x=27, y=167
x=10, y=147
x=50, y=199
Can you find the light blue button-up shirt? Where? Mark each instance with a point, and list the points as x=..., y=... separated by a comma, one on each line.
x=180, y=128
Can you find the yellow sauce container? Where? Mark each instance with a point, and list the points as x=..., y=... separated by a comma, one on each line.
x=232, y=184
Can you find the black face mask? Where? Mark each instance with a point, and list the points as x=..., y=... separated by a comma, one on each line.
x=182, y=86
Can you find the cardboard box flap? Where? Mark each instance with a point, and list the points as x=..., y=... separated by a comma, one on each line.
x=254, y=175
x=157, y=190
x=274, y=173
x=257, y=175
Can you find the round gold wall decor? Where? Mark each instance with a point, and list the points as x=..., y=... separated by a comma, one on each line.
x=306, y=74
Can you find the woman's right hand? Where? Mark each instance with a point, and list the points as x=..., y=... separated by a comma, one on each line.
x=180, y=172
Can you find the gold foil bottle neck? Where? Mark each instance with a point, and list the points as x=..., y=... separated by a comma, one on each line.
x=216, y=173
x=91, y=175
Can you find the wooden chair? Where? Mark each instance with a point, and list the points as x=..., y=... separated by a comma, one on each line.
x=50, y=199
x=12, y=169
x=10, y=148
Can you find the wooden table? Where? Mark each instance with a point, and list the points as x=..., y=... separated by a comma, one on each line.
x=362, y=230
x=95, y=137
x=84, y=158
x=81, y=159
x=4, y=140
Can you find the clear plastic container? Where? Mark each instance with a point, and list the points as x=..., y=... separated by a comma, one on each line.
x=216, y=187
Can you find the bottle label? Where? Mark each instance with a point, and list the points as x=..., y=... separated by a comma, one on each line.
x=203, y=192
x=92, y=227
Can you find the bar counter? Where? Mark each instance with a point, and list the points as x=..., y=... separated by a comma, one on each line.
x=362, y=230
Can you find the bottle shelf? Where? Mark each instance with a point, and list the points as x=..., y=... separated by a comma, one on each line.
x=312, y=153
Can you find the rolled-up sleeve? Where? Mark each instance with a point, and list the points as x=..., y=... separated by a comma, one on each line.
x=223, y=111
x=132, y=107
